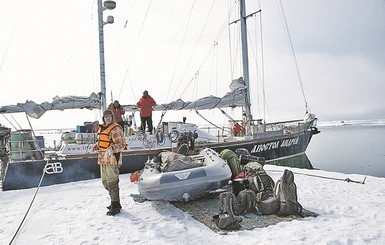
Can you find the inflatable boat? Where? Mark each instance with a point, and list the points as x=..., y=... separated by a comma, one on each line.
x=175, y=177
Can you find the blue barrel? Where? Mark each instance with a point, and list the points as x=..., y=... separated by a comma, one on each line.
x=40, y=141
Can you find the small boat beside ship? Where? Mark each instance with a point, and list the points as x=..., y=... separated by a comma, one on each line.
x=175, y=177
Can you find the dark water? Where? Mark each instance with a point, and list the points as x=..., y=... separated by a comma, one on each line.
x=355, y=148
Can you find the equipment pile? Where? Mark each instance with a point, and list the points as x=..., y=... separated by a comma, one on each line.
x=254, y=191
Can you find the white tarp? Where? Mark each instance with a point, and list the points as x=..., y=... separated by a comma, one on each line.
x=234, y=98
x=58, y=103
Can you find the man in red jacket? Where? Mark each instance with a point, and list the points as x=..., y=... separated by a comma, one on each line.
x=146, y=103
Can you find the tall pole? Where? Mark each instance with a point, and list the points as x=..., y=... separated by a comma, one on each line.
x=245, y=62
x=101, y=56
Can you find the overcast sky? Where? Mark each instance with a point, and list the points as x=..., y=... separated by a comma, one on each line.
x=50, y=47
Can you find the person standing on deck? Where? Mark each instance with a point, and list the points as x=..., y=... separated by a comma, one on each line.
x=146, y=103
x=118, y=111
x=110, y=145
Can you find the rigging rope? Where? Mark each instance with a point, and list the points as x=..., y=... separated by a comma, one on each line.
x=229, y=40
x=196, y=44
x=293, y=53
x=136, y=44
x=6, y=49
x=154, y=65
x=211, y=50
x=214, y=68
x=260, y=75
x=180, y=52
x=264, y=100
x=221, y=128
x=11, y=122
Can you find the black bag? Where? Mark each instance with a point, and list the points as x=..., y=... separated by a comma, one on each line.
x=227, y=218
x=259, y=181
x=238, y=185
x=246, y=201
x=228, y=203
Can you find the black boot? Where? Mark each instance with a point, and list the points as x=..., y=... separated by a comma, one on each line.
x=110, y=206
x=114, y=208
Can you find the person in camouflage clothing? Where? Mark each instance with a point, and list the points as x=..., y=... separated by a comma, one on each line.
x=111, y=143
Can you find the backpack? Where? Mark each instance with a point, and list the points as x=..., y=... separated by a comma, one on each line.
x=246, y=201
x=288, y=207
x=259, y=181
x=228, y=209
x=228, y=203
x=269, y=206
x=286, y=191
x=232, y=160
x=226, y=222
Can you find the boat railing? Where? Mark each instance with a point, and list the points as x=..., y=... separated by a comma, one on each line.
x=257, y=127
x=294, y=126
x=78, y=138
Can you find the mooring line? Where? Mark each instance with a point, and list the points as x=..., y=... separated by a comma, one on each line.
x=325, y=177
x=30, y=205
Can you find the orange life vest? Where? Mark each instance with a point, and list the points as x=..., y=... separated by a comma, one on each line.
x=104, y=137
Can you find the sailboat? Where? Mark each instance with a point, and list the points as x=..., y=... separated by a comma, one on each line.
x=24, y=167
x=272, y=141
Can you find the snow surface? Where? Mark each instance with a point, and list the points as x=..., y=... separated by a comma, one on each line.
x=75, y=213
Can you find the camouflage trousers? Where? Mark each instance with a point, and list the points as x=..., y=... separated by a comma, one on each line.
x=110, y=179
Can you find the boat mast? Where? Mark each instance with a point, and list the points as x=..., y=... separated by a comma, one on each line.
x=245, y=63
x=110, y=19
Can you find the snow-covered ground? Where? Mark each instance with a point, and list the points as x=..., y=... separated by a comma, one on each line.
x=75, y=213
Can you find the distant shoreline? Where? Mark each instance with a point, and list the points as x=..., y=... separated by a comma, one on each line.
x=367, y=122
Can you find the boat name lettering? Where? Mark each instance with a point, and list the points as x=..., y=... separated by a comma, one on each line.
x=289, y=142
x=53, y=168
x=275, y=145
x=265, y=147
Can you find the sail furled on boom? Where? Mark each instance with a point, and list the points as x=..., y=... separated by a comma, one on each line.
x=234, y=98
x=35, y=110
